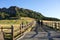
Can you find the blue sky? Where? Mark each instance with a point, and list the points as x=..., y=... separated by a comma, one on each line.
x=50, y=8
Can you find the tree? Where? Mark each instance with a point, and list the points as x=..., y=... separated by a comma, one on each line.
x=3, y=15
x=17, y=13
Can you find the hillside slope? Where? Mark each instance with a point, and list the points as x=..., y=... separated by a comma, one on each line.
x=14, y=12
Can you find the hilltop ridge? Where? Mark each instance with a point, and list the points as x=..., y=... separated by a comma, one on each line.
x=15, y=12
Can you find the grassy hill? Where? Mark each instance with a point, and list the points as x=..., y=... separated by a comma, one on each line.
x=25, y=20
x=14, y=12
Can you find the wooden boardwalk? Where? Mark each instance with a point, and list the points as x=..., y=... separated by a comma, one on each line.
x=41, y=36
x=45, y=33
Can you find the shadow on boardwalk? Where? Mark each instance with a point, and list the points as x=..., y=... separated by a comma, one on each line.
x=36, y=28
x=44, y=28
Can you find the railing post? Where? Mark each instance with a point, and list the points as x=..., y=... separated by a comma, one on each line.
x=2, y=34
x=55, y=26
x=52, y=24
x=58, y=25
x=22, y=24
x=12, y=32
x=20, y=28
x=1, y=29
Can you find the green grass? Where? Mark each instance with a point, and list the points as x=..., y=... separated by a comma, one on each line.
x=15, y=23
x=23, y=19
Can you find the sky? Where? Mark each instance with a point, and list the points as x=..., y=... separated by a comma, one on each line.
x=49, y=8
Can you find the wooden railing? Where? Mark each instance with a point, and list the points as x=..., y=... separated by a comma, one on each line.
x=9, y=28
x=55, y=25
x=23, y=28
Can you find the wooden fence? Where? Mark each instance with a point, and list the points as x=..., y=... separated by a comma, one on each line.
x=55, y=25
x=23, y=28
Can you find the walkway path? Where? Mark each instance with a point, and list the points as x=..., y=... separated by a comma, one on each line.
x=41, y=36
x=42, y=33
